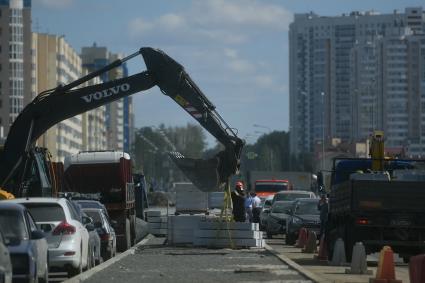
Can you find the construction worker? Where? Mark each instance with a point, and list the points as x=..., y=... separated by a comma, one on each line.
x=323, y=207
x=256, y=208
x=238, y=201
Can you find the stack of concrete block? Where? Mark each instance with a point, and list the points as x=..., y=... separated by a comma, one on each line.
x=215, y=200
x=157, y=223
x=181, y=228
x=228, y=235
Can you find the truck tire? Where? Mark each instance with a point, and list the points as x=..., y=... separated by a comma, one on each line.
x=290, y=239
x=331, y=235
x=349, y=241
x=133, y=229
x=128, y=233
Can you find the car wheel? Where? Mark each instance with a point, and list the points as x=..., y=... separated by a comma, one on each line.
x=91, y=259
x=45, y=277
x=35, y=279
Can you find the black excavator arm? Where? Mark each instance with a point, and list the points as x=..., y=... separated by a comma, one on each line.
x=63, y=102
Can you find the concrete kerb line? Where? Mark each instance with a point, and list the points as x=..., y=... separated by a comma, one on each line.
x=89, y=273
x=310, y=275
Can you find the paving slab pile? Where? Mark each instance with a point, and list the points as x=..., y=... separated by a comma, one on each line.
x=157, y=223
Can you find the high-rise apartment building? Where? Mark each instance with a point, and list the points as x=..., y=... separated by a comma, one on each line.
x=93, y=123
x=15, y=61
x=56, y=62
x=340, y=84
x=118, y=116
x=388, y=86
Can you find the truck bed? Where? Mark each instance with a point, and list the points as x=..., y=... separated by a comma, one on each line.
x=378, y=195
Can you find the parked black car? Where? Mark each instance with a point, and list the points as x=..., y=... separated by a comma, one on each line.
x=92, y=204
x=276, y=220
x=27, y=245
x=94, y=253
x=5, y=262
x=304, y=213
x=105, y=231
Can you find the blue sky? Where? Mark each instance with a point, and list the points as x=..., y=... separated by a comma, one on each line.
x=235, y=50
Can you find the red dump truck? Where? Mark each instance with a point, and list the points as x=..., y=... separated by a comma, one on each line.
x=106, y=176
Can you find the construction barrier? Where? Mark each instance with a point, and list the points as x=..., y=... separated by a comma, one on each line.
x=417, y=269
x=323, y=250
x=358, y=260
x=386, y=270
x=311, y=245
x=302, y=238
x=338, y=256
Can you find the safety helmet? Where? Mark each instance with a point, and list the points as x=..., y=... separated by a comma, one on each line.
x=239, y=184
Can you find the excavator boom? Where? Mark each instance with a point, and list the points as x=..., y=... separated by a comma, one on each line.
x=63, y=102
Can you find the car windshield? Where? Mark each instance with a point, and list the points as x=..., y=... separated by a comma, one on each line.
x=13, y=226
x=271, y=187
x=291, y=196
x=89, y=204
x=46, y=212
x=281, y=207
x=95, y=215
x=306, y=208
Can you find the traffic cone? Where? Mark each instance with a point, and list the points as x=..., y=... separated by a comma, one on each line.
x=311, y=245
x=323, y=250
x=386, y=269
x=338, y=256
x=358, y=261
x=302, y=238
x=417, y=269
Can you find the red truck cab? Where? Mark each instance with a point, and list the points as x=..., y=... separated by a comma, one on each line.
x=266, y=188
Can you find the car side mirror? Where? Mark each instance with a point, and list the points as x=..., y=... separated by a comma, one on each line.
x=37, y=235
x=87, y=220
x=90, y=227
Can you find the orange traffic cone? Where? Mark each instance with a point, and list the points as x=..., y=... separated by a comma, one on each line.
x=323, y=250
x=386, y=269
x=302, y=238
x=311, y=244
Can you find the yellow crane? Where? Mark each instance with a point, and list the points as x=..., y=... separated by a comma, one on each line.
x=376, y=151
x=5, y=195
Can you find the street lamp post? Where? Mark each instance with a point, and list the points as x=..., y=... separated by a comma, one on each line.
x=323, y=130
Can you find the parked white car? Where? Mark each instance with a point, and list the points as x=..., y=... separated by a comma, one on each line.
x=292, y=195
x=66, y=236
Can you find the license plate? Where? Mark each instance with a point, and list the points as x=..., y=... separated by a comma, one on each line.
x=400, y=222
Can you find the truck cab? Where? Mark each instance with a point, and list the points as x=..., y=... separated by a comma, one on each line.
x=268, y=188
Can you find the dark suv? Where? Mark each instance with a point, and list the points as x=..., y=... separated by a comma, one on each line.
x=304, y=213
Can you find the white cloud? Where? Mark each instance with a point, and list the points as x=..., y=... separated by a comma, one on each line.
x=218, y=21
x=241, y=66
x=231, y=53
x=61, y=4
x=171, y=22
x=250, y=13
x=264, y=81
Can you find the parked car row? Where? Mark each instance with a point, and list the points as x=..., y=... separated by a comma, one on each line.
x=287, y=211
x=38, y=235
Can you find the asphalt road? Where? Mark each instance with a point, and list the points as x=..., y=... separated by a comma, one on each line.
x=157, y=262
